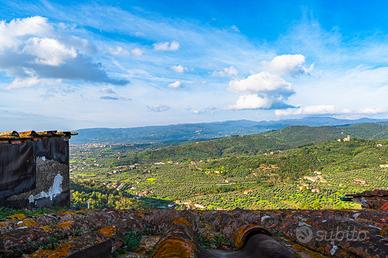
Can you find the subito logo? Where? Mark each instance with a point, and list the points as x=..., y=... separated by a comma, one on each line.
x=304, y=234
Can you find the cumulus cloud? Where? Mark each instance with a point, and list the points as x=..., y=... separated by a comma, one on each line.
x=262, y=82
x=326, y=110
x=33, y=50
x=269, y=89
x=12, y=31
x=167, y=46
x=230, y=71
x=253, y=101
x=175, y=85
x=262, y=91
x=48, y=51
x=178, y=68
x=158, y=108
x=289, y=64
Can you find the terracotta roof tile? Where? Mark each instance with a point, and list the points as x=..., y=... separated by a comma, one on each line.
x=164, y=233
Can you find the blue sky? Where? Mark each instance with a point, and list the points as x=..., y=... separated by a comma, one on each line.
x=75, y=64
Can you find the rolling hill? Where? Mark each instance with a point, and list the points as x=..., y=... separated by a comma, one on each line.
x=283, y=139
x=200, y=131
x=296, y=167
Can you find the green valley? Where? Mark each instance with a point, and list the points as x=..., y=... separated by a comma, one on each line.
x=296, y=167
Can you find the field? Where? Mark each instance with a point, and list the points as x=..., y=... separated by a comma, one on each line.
x=296, y=167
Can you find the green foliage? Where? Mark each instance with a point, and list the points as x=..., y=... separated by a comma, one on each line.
x=283, y=139
x=132, y=240
x=213, y=242
x=6, y=212
x=52, y=243
x=297, y=167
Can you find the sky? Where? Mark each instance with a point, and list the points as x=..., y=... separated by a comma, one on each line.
x=77, y=64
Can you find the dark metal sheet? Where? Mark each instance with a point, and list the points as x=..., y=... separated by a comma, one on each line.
x=17, y=169
x=54, y=148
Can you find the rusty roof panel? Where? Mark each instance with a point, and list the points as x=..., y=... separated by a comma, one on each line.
x=33, y=135
x=10, y=134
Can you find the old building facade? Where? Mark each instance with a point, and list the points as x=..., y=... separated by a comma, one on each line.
x=34, y=169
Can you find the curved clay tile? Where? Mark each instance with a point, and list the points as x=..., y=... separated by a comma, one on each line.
x=9, y=134
x=14, y=137
x=28, y=134
x=179, y=241
x=244, y=232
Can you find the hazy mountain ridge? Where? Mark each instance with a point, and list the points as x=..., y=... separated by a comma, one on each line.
x=200, y=131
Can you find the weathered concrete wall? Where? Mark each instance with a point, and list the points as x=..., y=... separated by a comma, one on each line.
x=41, y=174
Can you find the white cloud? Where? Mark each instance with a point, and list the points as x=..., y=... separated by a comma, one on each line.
x=201, y=111
x=308, y=110
x=326, y=110
x=33, y=50
x=158, y=108
x=289, y=64
x=31, y=81
x=333, y=54
x=252, y=101
x=265, y=91
x=14, y=31
x=369, y=111
x=262, y=82
x=48, y=51
x=230, y=71
x=175, y=85
x=137, y=52
x=178, y=68
x=167, y=46
x=118, y=51
x=268, y=89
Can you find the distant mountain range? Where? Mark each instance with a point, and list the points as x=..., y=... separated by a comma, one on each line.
x=201, y=131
